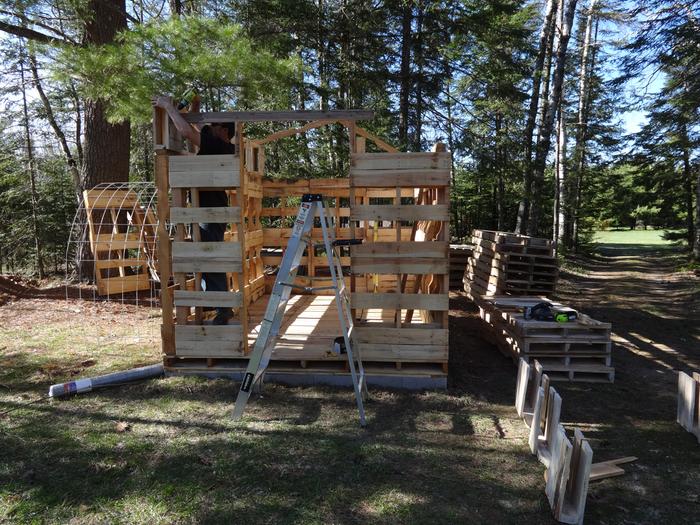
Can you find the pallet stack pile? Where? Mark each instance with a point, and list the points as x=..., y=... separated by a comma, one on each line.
x=459, y=258
x=579, y=350
x=505, y=263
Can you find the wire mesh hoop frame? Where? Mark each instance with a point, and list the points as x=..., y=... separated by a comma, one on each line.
x=112, y=242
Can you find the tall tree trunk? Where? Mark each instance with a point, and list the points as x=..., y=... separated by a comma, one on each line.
x=571, y=234
x=688, y=186
x=72, y=164
x=78, y=124
x=696, y=243
x=499, y=166
x=405, y=72
x=545, y=32
x=31, y=168
x=106, y=145
x=560, y=180
x=418, y=131
x=546, y=86
x=567, y=9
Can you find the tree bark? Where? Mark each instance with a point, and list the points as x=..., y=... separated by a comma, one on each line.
x=560, y=180
x=566, y=15
x=545, y=32
x=688, y=184
x=696, y=244
x=31, y=168
x=571, y=233
x=106, y=149
x=418, y=131
x=499, y=166
x=72, y=165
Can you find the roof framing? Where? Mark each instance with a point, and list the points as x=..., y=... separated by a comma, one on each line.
x=278, y=116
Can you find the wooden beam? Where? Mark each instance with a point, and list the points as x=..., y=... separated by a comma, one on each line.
x=379, y=142
x=293, y=131
x=278, y=116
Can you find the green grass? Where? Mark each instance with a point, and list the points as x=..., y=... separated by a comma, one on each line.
x=298, y=456
x=634, y=237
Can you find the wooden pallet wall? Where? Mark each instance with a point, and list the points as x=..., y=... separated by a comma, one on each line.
x=285, y=195
x=192, y=338
x=397, y=203
x=424, y=255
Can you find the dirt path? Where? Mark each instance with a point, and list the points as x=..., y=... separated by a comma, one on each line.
x=654, y=310
x=655, y=316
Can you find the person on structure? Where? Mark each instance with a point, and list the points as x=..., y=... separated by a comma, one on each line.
x=212, y=139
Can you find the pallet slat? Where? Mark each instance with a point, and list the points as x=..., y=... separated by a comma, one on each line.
x=213, y=299
x=371, y=212
x=405, y=301
x=205, y=215
x=205, y=171
x=206, y=257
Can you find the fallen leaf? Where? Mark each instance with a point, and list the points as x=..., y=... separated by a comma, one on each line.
x=122, y=426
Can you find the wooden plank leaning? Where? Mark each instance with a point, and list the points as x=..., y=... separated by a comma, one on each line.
x=548, y=412
x=688, y=410
x=526, y=390
x=568, y=476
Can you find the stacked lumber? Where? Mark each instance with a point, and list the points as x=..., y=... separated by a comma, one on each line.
x=579, y=350
x=459, y=257
x=511, y=264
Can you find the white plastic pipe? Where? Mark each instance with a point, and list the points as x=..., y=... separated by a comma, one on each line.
x=86, y=385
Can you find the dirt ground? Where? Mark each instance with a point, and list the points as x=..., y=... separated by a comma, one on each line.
x=457, y=457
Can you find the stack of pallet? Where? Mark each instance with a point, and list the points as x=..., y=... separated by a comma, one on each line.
x=510, y=264
x=578, y=350
x=459, y=257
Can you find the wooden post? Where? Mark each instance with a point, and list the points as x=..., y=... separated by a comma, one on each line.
x=352, y=137
x=243, y=203
x=164, y=263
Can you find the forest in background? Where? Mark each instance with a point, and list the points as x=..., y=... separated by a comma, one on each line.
x=530, y=98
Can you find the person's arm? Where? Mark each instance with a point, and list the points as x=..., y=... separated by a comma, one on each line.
x=184, y=127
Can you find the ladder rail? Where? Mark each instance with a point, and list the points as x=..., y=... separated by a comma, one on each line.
x=274, y=312
x=345, y=323
x=284, y=283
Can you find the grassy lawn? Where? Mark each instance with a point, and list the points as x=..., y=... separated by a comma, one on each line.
x=166, y=451
x=644, y=237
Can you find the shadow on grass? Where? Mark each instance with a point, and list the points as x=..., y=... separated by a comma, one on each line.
x=415, y=462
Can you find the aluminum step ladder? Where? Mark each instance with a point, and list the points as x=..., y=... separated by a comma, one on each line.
x=311, y=206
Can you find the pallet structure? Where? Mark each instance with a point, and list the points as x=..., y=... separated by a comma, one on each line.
x=397, y=203
x=459, y=258
x=122, y=234
x=505, y=263
x=569, y=464
x=575, y=351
